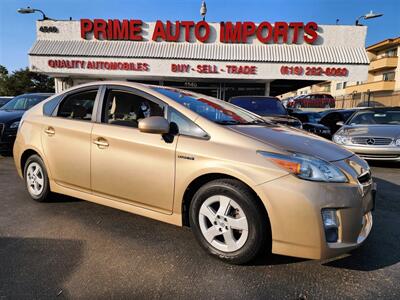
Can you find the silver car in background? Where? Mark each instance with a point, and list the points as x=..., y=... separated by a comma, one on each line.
x=372, y=133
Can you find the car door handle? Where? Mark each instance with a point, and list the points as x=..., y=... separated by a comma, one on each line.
x=50, y=131
x=102, y=143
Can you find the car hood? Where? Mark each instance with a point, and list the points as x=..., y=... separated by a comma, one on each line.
x=294, y=140
x=282, y=119
x=10, y=115
x=316, y=125
x=371, y=130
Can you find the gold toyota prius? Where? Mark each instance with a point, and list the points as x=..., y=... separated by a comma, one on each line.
x=243, y=185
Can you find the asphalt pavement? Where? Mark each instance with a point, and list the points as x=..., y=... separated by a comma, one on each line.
x=75, y=249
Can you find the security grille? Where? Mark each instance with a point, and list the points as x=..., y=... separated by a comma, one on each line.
x=372, y=141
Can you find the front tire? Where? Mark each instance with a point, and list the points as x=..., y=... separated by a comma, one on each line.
x=228, y=221
x=36, y=179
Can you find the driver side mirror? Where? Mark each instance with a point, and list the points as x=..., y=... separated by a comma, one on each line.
x=157, y=125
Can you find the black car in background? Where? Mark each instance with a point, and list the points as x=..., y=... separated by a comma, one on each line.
x=330, y=118
x=269, y=108
x=4, y=100
x=10, y=116
x=311, y=123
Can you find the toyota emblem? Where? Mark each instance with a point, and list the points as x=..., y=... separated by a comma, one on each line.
x=370, y=141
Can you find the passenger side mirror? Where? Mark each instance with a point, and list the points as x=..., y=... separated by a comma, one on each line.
x=339, y=123
x=154, y=125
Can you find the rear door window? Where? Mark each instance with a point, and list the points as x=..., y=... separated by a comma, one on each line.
x=78, y=106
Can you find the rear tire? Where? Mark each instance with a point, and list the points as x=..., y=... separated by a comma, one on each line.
x=229, y=222
x=36, y=179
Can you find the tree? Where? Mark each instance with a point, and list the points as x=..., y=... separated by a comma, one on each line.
x=3, y=80
x=24, y=81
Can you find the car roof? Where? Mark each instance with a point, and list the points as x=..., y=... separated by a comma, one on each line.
x=382, y=108
x=37, y=94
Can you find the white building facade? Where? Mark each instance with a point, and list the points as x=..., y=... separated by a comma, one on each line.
x=219, y=59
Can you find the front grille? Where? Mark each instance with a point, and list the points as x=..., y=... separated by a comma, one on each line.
x=378, y=156
x=372, y=141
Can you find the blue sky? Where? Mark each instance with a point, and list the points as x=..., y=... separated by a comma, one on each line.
x=17, y=32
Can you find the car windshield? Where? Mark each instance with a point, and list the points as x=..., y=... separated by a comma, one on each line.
x=308, y=117
x=24, y=102
x=378, y=117
x=215, y=110
x=261, y=106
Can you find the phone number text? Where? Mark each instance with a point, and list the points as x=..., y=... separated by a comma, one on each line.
x=314, y=71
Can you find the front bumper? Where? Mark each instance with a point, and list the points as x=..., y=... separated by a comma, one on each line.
x=7, y=139
x=294, y=207
x=376, y=152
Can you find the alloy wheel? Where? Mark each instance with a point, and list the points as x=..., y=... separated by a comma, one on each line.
x=35, y=179
x=223, y=223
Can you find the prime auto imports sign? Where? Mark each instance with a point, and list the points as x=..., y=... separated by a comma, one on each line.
x=229, y=32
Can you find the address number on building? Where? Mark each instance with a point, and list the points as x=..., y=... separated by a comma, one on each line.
x=46, y=29
x=314, y=71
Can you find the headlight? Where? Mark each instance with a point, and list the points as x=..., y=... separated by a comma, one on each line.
x=306, y=167
x=341, y=139
x=398, y=142
x=14, y=125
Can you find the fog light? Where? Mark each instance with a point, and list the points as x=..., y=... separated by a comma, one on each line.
x=331, y=225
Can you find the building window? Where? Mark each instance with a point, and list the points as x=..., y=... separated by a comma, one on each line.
x=391, y=53
x=388, y=76
x=339, y=86
x=344, y=84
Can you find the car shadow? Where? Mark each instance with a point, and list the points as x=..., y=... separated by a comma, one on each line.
x=382, y=248
x=59, y=198
x=28, y=266
x=275, y=259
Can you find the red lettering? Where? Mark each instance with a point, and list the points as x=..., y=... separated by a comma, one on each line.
x=247, y=70
x=86, y=26
x=159, y=32
x=248, y=29
x=187, y=25
x=119, y=32
x=280, y=30
x=232, y=33
x=110, y=29
x=296, y=26
x=100, y=27
x=261, y=27
x=170, y=36
x=202, y=26
x=310, y=32
x=135, y=29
